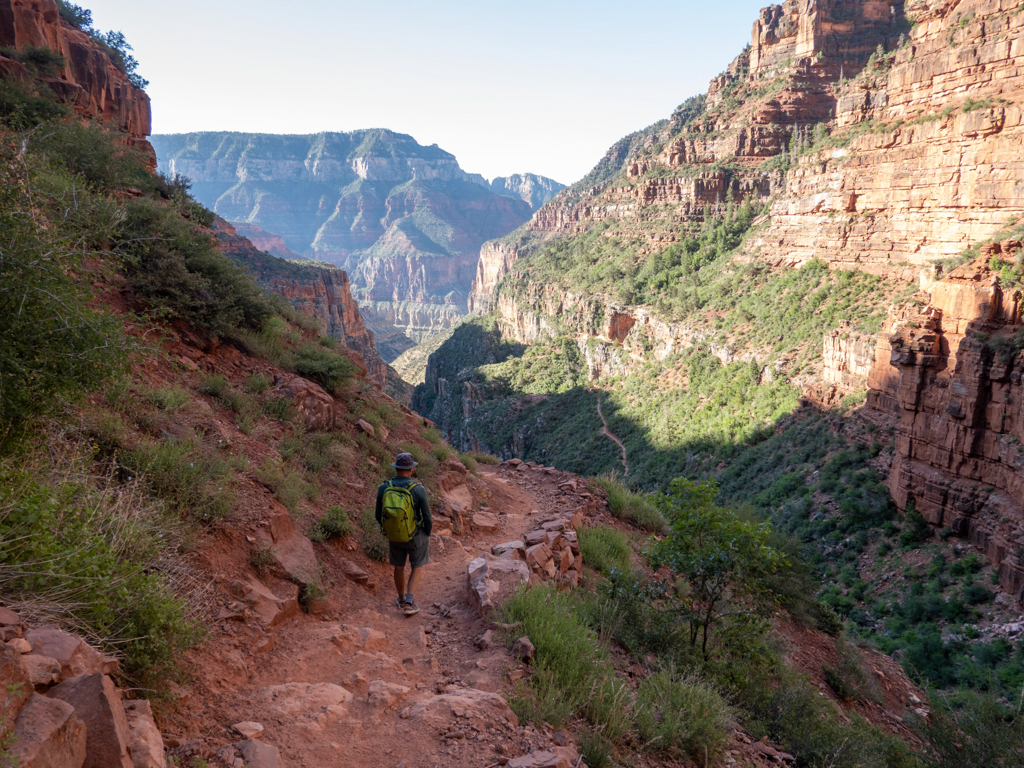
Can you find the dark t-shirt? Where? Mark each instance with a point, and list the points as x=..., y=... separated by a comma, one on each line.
x=420, y=505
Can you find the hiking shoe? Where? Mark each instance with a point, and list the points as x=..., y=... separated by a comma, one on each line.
x=411, y=608
x=400, y=602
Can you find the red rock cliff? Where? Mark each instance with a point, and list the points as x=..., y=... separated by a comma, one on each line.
x=320, y=292
x=88, y=81
x=952, y=375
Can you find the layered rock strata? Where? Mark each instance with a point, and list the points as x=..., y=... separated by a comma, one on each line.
x=404, y=220
x=951, y=372
x=88, y=80
x=319, y=292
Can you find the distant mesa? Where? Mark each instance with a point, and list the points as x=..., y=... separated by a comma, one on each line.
x=404, y=220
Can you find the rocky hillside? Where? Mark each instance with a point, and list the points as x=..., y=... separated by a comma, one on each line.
x=404, y=220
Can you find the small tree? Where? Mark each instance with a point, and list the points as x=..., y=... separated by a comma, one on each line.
x=724, y=560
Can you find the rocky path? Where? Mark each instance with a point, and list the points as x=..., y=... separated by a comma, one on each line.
x=355, y=683
x=608, y=433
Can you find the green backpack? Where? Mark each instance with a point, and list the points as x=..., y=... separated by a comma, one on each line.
x=399, y=515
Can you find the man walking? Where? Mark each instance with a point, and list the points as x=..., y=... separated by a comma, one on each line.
x=403, y=513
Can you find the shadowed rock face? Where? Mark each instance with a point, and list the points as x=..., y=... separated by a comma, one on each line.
x=404, y=220
x=957, y=396
x=89, y=82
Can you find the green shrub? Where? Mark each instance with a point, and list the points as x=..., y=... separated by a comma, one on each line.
x=334, y=523
x=484, y=458
x=56, y=345
x=261, y=558
x=89, y=556
x=190, y=480
x=327, y=368
x=214, y=385
x=442, y=452
x=288, y=486
x=916, y=529
x=258, y=383
x=176, y=270
x=317, y=452
x=683, y=714
x=374, y=541
x=468, y=461
x=596, y=750
x=630, y=506
x=278, y=408
x=312, y=592
x=605, y=549
x=170, y=399
x=971, y=730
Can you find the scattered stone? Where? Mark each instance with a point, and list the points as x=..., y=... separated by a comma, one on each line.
x=75, y=656
x=535, y=537
x=485, y=522
x=248, y=729
x=557, y=757
x=20, y=644
x=268, y=607
x=9, y=618
x=264, y=644
x=357, y=684
x=366, y=427
x=98, y=705
x=256, y=754
x=523, y=649
x=383, y=694
x=469, y=703
x=486, y=640
x=292, y=699
x=40, y=670
x=353, y=572
x=554, y=525
x=348, y=637
x=48, y=734
x=515, y=547
x=293, y=553
x=490, y=578
x=147, y=745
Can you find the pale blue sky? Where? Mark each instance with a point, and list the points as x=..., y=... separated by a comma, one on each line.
x=507, y=87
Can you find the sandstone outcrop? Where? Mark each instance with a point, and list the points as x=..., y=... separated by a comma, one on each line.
x=97, y=703
x=951, y=373
x=89, y=81
x=47, y=734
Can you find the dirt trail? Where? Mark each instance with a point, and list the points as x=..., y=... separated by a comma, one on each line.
x=608, y=433
x=433, y=652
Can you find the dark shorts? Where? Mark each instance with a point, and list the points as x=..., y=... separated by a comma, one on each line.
x=417, y=551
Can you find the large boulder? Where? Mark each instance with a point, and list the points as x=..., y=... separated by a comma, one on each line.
x=147, y=744
x=256, y=754
x=48, y=734
x=40, y=670
x=98, y=705
x=313, y=406
x=293, y=553
x=479, y=706
x=491, y=579
x=75, y=656
x=485, y=522
x=268, y=607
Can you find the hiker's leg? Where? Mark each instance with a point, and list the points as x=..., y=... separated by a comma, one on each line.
x=414, y=580
x=400, y=581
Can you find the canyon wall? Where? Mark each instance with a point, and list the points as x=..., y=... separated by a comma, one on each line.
x=951, y=373
x=88, y=81
x=321, y=293
x=404, y=220
x=930, y=162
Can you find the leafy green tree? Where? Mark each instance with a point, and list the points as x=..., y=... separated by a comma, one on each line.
x=725, y=561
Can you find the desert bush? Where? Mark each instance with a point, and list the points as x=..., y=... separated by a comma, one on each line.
x=630, y=506
x=334, y=523
x=915, y=528
x=258, y=383
x=327, y=368
x=374, y=541
x=191, y=481
x=971, y=730
x=313, y=592
x=169, y=399
x=605, y=549
x=261, y=557
x=683, y=714
x=468, y=461
x=92, y=557
x=287, y=484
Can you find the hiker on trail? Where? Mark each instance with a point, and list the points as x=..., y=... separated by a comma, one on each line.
x=403, y=514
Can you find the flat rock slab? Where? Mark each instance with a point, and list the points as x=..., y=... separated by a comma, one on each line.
x=268, y=607
x=256, y=754
x=557, y=757
x=98, y=705
x=292, y=699
x=383, y=694
x=478, y=706
x=48, y=734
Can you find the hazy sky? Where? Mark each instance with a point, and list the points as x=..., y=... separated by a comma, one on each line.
x=506, y=87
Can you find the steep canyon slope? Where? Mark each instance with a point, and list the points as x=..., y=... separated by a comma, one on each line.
x=836, y=217
x=404, y=220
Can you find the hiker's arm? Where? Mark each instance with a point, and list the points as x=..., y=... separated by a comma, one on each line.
x=379, y=513
x=424, y=510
